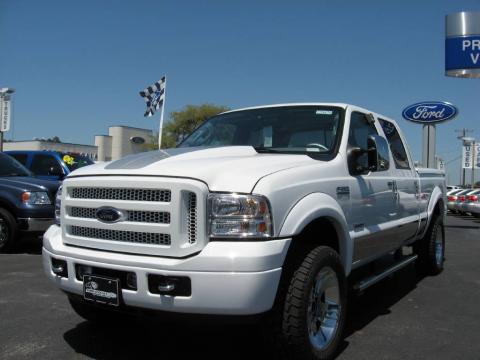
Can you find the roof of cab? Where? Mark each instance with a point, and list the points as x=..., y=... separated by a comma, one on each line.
x=340, y=105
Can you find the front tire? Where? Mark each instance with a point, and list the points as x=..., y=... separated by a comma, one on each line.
x=431, y=248
x=8, y=230
x=314, y=307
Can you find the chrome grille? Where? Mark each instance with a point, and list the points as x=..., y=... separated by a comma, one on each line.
x=120, y=235
x=158, y=217
x=192, y=218
x=121, y=194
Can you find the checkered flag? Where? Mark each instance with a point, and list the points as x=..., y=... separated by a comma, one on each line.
x=154, y=96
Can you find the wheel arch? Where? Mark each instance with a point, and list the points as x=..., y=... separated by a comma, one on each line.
x=319, y=213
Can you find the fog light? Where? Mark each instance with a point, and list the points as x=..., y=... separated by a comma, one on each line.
x=59, y=267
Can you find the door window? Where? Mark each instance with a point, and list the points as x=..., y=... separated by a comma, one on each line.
x=43, y=164
x=360, y=129
x=396, y=145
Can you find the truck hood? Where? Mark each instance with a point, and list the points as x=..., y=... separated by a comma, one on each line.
x=229, y=168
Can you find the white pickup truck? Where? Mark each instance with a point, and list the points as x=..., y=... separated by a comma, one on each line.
x=267, y=210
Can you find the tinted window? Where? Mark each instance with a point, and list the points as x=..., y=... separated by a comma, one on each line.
x=360, y=129
x=45, y=165
x=396, y=145
x=11, y=167
x=21, y=158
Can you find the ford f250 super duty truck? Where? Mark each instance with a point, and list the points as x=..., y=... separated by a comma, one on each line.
x=268, y=210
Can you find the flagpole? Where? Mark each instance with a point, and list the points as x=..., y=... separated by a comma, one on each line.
x=160, y=130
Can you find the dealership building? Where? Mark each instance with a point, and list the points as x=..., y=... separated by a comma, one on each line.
x=120, y=141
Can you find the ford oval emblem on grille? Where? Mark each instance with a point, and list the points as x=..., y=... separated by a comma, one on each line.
x=108, y=214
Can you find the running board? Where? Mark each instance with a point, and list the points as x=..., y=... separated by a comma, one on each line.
x=369, y=281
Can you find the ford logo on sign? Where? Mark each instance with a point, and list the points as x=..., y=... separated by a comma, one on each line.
x=108, y=214
x=430, y=112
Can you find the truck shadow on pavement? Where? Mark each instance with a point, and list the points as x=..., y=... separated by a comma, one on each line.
x=144, y=338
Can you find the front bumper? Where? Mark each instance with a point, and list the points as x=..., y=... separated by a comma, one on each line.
x=227, y=278
x=35, y=224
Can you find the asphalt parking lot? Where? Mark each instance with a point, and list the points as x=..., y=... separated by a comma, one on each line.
x=404, y=317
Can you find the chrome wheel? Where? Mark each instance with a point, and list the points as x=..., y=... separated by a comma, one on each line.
x=439, y=247
x=324, y=309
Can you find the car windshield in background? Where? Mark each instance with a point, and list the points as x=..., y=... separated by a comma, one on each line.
x=75, y=161
x=11, y=167
x=292, y=129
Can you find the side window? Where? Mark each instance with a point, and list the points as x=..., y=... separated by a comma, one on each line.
x=396, y=145
x=42, y=164
x=21, y=158
x=360, y=129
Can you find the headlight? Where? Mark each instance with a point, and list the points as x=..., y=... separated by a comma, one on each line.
x=58, y=205
x=35, y=198
x=233, y=215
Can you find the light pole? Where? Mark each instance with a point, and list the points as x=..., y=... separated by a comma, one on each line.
x=5, y=111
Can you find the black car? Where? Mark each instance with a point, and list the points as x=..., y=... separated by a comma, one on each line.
x=27, y=204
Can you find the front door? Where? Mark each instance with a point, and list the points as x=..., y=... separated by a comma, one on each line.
x=373, y=197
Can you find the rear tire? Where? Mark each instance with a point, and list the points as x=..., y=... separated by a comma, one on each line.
x=8, y=230
x=311, y=313
x=431, y=248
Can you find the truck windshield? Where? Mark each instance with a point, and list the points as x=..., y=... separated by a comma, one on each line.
x=75, y=161
x=11, y=167
x=290, y=129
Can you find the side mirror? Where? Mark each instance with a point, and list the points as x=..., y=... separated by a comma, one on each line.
x=375, y=158
x=378, y=153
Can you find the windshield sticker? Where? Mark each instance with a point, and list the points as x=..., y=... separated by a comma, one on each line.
x=312, y=149
x=323, y=112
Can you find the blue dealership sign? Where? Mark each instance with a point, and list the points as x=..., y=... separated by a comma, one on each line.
x=462, y=52
x=430, y=112
x=462, y=44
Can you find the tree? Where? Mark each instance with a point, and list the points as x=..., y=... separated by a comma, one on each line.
x=183, y=122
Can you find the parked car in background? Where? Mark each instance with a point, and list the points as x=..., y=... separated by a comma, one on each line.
x=471, y=198
x=461, y=199
x=453, y=187
x=26, y=203
x=474, y=208
x=50, y=165
x=452, y=197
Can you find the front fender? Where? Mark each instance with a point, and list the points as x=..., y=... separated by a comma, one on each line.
x=315, y=206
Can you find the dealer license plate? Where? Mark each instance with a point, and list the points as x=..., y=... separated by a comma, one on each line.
x=101, y=290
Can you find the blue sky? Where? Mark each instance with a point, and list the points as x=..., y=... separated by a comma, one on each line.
x=77, y=66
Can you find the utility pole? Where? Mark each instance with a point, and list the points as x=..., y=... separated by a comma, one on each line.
x=463, y=135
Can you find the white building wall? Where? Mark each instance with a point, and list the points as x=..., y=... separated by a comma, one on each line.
x=122, y=144
x=104, y=145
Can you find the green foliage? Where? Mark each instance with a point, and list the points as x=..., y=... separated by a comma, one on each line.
x=183, y=122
